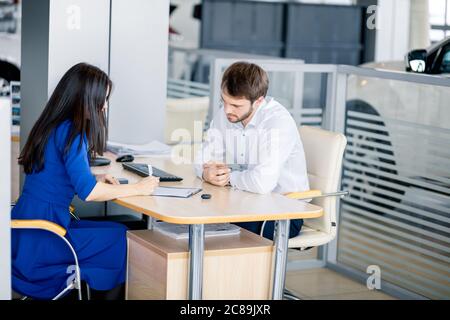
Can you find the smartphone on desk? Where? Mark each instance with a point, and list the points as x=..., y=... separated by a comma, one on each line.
x=237, y=167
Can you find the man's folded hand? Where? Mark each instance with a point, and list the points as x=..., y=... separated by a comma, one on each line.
x=216, y=173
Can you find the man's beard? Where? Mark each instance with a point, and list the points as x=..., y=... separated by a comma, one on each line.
x=245, y=116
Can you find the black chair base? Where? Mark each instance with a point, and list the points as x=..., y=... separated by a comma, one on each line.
x=289, y=295
x=131, y=222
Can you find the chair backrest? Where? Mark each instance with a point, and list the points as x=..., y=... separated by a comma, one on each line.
x=183, y=113
x=324, y=151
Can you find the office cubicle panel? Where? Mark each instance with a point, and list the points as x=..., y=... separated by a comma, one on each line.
x=138, y=68
x=5, y=199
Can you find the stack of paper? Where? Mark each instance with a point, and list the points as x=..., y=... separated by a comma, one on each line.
x=149, y=149
x=181, y=231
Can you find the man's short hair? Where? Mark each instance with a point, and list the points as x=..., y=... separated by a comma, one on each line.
x=243, y=79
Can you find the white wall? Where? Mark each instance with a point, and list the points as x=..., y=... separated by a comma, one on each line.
x=5, y=199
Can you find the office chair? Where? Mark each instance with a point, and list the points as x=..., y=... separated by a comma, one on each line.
x=182, y=114
x=324, y=151
x=60, y=232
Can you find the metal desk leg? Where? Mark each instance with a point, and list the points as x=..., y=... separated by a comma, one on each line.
x=150, y=223
x=281, y=253
x=196, y=249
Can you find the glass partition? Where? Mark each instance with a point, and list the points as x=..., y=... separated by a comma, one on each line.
x=397, y=170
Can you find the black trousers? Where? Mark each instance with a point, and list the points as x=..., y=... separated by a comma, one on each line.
x=255, y=227
x=117, y=293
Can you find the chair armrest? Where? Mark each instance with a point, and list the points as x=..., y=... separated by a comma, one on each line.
x=303, y=194
x=39, y=224
x=311, y=194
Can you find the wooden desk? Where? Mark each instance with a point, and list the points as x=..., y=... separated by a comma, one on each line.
x=226, y=205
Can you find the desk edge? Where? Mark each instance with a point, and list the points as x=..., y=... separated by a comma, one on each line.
x=203, y=220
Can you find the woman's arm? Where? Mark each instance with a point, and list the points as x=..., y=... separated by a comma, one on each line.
x=105, y=192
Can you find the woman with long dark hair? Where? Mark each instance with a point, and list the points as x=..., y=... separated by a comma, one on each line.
x=55, y=158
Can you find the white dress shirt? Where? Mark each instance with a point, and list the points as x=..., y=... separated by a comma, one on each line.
x=268, y=151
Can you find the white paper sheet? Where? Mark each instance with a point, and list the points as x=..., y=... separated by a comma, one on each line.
x=152, y=148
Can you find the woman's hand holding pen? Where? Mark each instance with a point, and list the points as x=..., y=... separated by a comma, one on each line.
x=147, y=185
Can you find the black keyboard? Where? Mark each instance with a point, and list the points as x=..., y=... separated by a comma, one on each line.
x=141, y=169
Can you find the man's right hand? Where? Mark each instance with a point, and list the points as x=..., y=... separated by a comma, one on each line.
x=216, y=173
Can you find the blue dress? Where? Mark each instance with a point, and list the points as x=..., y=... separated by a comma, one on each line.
x=41, y=261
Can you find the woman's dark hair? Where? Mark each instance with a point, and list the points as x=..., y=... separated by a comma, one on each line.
x=79, y=97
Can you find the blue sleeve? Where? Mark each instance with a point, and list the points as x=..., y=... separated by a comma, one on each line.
x=77, y=166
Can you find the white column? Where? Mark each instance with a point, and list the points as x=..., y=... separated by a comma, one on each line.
x=392, y=38
x=138, y=68
x=420, y=25
x=5, y=199
x=56, y=34
x=78, y=32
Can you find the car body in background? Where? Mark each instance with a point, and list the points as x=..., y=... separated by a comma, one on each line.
x=432, y=60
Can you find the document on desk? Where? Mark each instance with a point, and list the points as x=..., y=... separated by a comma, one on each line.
x=149, y=149
x=181, y=231
x=176, y=192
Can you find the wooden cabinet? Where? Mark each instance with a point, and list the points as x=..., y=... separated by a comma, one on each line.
x=235, y=267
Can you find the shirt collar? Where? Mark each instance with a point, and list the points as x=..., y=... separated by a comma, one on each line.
x=255, y=119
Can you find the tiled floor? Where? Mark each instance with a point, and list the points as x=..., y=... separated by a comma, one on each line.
x=325, y=284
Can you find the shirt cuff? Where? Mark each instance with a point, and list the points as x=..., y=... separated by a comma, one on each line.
x=234, y=178
x=199, y=172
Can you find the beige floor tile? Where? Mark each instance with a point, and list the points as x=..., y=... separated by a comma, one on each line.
x=322, y=282
x=302, y=255
x=364, y=295
x=306, y=271
x=300, y=295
